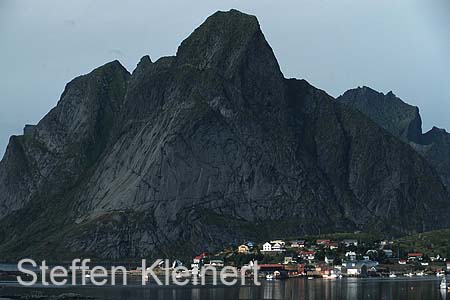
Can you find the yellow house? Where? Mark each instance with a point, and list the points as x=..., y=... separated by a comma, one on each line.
x=243, y=249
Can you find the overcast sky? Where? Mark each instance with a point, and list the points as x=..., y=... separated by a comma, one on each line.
x=398, y=45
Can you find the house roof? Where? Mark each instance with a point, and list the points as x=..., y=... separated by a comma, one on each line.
x=415, y=254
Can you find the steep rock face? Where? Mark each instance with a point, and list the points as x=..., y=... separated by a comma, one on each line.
x=403, y=121
x=437, y=151
x=52, y=155
x=207, y=148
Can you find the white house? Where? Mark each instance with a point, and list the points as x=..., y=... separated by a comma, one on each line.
x=271, y=247
x=350, y=242
x=350, y=255
x=281, y=242
x=333, y=246
x=277, y=247
x=357, y=268
x=267, y=247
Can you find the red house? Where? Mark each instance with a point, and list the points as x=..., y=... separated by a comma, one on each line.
x=323, y=242
x=415, y=256
x=307, y=255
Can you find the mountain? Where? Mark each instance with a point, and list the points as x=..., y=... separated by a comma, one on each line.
x=388, y=111
x=202, y=150
x=403, y=121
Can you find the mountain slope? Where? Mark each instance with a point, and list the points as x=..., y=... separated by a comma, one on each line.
x=403, y=121
x=203, y=149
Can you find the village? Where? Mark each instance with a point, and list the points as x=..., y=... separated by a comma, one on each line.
x=326, y=258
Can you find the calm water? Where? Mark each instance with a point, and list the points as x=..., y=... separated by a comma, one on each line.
x=320, y=289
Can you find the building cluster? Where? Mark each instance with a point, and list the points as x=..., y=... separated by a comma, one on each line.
x=322, y=257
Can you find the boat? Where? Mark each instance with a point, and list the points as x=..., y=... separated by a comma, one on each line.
x=440, y=274
x=420, y=274
x=408, y=275
x=310, y=278
x=392, y=275
x=443, y=285
x=269, y=277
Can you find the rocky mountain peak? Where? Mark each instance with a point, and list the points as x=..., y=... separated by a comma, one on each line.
x=438, y=130
x=387, y=110
x=437, y=136
x=144, y=63
x=229, y=60
x=110, y=68
x=403, y=121
x=229, y=41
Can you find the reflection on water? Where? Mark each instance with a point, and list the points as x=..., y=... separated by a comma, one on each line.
x=298, y=289
x=444, y=294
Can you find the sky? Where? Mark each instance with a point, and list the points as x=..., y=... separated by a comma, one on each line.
x=401, y=45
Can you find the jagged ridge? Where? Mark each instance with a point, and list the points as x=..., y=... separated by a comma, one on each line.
x=403, y=121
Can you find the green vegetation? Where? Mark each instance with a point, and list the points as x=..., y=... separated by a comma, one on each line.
x=431, y=243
